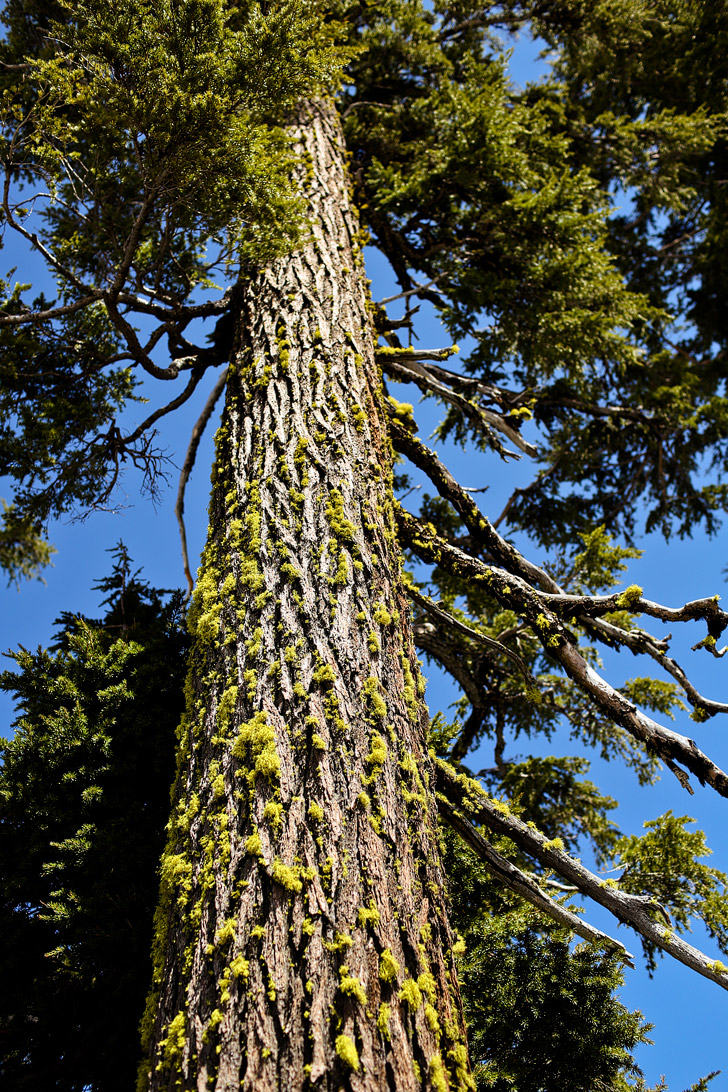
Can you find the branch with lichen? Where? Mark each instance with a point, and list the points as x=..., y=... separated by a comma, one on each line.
x=585, y=610
x=524, y=885
x=463, y=801
x=411, y=365
x=517, y=595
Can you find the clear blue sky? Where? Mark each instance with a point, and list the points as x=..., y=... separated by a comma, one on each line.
x=689, y=1012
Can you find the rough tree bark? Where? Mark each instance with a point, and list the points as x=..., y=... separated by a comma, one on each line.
x=302, y=935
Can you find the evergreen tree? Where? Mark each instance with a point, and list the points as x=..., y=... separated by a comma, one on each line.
x=84, y=796
x=302, y=933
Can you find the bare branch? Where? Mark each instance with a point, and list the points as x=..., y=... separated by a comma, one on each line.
x=517, y=595
x=460, y=627
x=411, y=292
x=187, y=466
x=468, y=796
x=364, y=102
x=481, y=529
x=25, y=318
x=524, y=885
x=187, y=393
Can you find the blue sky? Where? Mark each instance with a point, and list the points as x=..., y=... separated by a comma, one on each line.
x=688, y=1011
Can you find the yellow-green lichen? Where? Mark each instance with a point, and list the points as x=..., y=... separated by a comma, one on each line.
x=342, y=528
x=253, y=847
x=382, y=615
x=346, y=1050
x=410, y=994
x=371, y=694
x=432, y=1019
x=437, y=1074
x=273, y=812
x=388, y=966
x=383, y=1018
x=256, y=745
x=240, y=968
x=351, y=986
x=225, y=708
x=368, y=915
x=173, y=1043
x=377, y=754
x=630, y=597
x=287, y=877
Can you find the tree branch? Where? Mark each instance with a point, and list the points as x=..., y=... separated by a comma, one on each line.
x=513, y=592
x=187, y=466
x=468, y=796
x=524, y=885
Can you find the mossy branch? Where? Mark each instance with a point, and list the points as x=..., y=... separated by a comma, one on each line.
x=524, y=885
x=516, y=594
x=463, y=795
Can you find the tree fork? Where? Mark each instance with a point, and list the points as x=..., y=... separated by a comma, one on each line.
x=302, y=938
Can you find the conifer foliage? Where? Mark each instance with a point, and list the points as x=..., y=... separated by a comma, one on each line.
x=84, y=796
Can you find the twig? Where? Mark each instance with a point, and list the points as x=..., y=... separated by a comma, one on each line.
x=443, y=616
x=187, y=466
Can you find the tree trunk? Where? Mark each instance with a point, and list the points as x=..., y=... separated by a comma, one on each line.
x=302, y=935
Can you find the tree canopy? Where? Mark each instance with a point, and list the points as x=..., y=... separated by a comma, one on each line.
x=570, y=234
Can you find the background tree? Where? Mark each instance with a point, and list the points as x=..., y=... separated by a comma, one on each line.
x=501, y=201
x=84, y=796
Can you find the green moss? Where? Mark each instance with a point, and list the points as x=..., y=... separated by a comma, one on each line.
x=364, y=801
x=287, y=877
x=347, y=1051
x=410, y=994
x=383, y=1018
x=388, y=966
x=351, y=986
x=371, y=694
x=368, y=915
x=373, y=642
